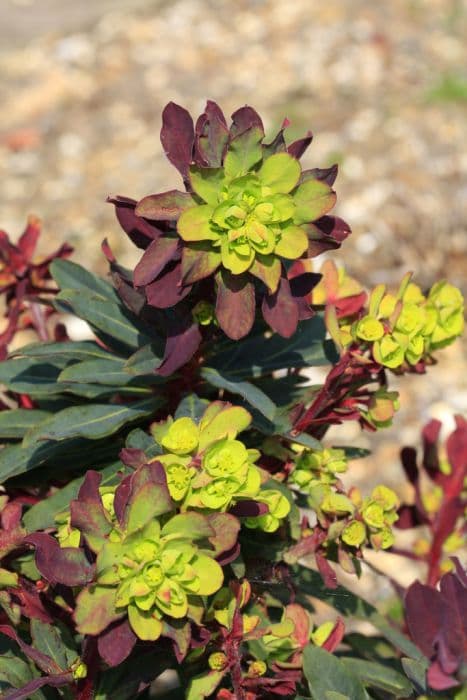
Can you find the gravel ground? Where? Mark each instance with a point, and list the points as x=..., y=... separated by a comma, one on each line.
x=382, y=85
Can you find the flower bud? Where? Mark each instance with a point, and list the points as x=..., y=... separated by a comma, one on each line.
x=217, y=661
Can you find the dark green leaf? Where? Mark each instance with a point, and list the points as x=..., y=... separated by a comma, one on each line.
x=416, y=671
x=92, y=421
x=55, y=352
x=249, y=392
x=259, y=355
x=191, y=407
x=54, y=641
x=27, y=376
x=107, y=372
x=353, y=452
x=70, y=275
x=15, y=422
x=145, y=360
x=328, y=677
x=310, y=583
x=110, y=321
x=65, y=456
x=378, y=676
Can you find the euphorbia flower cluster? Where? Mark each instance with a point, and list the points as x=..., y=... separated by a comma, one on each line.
x=402, y=330
x=249, y=210
x=207, y=468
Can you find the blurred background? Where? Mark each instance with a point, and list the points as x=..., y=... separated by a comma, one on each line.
x=382, y=85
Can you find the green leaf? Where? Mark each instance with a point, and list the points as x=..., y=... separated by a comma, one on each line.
x=63, y=352
x=203, y=686
x=416, y=671
x=244, y=152
x=65, y=456
x=111, y=321
x=145, y=360
x=191, y=525
x=292, y=243
x=95, y=609
x=195, y=224
x=27, y=376
x=353, y=452
x=191, y=407
x=310, y=583
x=14, y=671
x=328, y=677
x=280, y=173
x=313, y=199
x=259, y=355
x=42, y=515
x=55, y=641
x=378, y=676
x=108, y=372
x=70, y=275
x=249, y=392
x=15, y=422
x=267, y=268
x=207, y=183
x=92, y=421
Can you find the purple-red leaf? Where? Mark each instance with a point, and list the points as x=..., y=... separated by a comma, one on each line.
x=166, y=206
x=248, y=509
x=156, y=256
x=243, y=119
x=198, y=261
x=67, y=565
x=430, y=436
x=326, y=233
x=424, y=612
x=211, y=136
x=298, y=148
x=177, y=137
x=327, y=175
x=327, y=572
x=235, y=305
x=87, y=511
x=116, y=643
x=280, y=310
x=167, y=290
x=183, y=340
x=139, y=231
x=28, y=690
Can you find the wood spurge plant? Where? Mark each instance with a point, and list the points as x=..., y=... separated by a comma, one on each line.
x=170, y=500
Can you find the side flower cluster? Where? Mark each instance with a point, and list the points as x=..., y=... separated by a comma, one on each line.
x=344, y=517
x=402, y=329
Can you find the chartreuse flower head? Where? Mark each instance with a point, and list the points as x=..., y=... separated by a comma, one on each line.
x=402, y=329
x=248, y=210
x=151, y=565
x=376, y=516
x=314, y=468
x=155, y=570
x=252, y=210
x=209, y=469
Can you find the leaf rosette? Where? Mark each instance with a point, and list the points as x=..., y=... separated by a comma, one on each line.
x=248, y=213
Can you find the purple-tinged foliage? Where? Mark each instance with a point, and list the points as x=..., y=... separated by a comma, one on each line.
x=442, y=505
x=437, y=623
x=202, y=155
